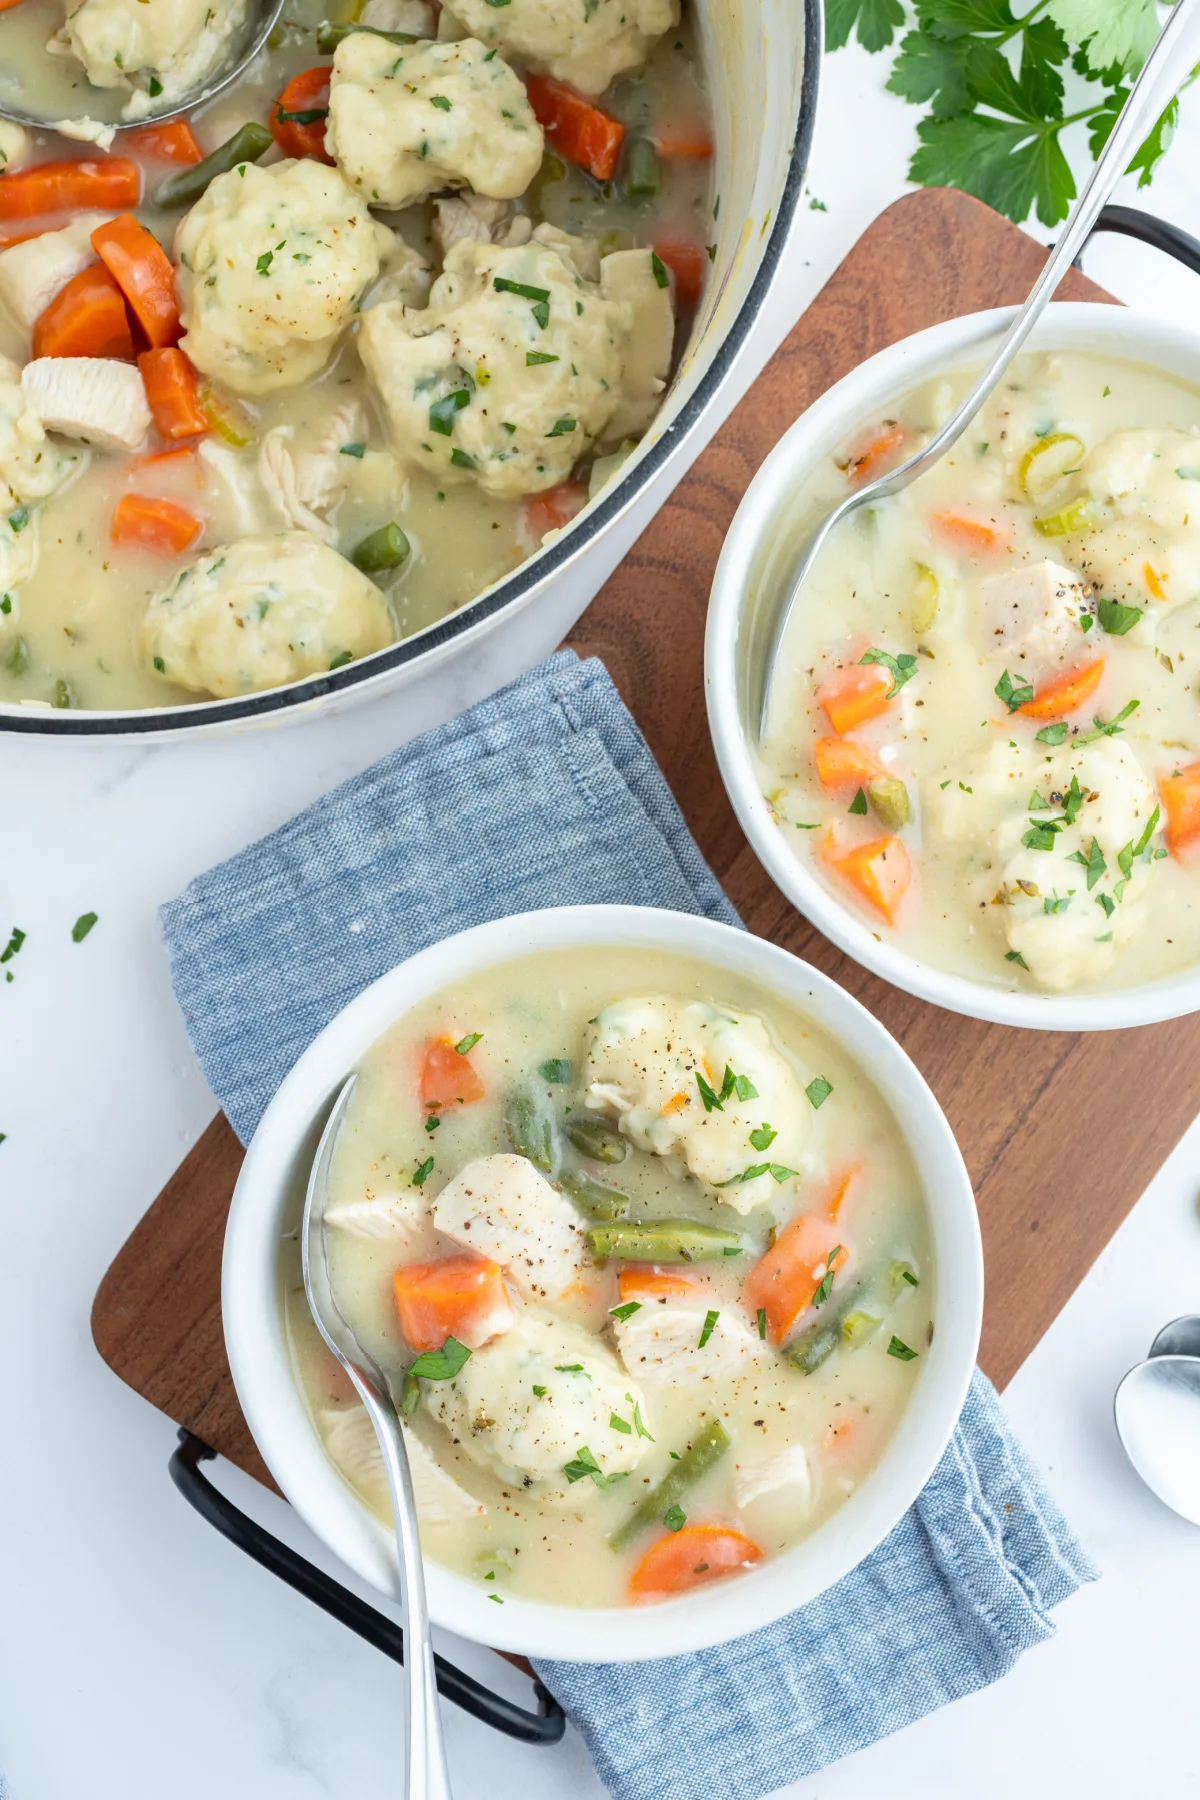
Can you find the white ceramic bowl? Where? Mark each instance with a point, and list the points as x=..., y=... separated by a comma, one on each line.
x=735, y=637
x=276, y=1169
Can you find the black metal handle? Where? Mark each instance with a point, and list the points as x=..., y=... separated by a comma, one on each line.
x=545, y=1726
x=1130, y=222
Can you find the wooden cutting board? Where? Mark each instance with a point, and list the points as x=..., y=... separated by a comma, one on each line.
x=1056, y=1154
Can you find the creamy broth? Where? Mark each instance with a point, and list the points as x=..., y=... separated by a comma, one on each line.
x=1021, y=773
x=630, y=1391
x=73, y=630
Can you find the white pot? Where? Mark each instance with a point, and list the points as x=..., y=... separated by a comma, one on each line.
x=276, y=1170
x=732, y=642
x=761, y=62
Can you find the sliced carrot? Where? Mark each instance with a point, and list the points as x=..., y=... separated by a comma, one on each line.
x=172, y=393
x=970, y=533
x=172, y=142
x=1065, y=693
x=839, y=1190
x=144, y=273
x=577, y=129
x=1154, y=581
x=687, y=259
x=87, y=317
x=297, y=119
x=782, y=1283
x=458, y=1296
x=183, y=457
x=677, y=1102
x=107, y=183
x=155, y=524
x=869, y=454
x=689, y=1558
x=690, y=142
x=448, y=1077
x=7, y=5
x=1180, y=794
x=841, y=763
x=880, y=871
x=854, y=694
x=649, y=1282
x=553, y=509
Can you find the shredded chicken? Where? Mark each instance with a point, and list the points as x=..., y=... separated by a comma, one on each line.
x=305, y=485
x=475, y=219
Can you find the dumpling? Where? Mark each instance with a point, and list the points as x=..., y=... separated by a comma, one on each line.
x=406, y=122
x=1147, y=547
x=519, y=364
x=586, y=45
x=272, y=264
x=262, y=612
x=159, y=49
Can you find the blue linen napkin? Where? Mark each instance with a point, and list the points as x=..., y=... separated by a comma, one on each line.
x=546, y=795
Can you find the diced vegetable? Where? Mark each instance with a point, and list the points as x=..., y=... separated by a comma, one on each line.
x=1180, y=793
x=85, y=318
x=870, y=454
x=687, y=259
x=329, y=35
x=448, y=1078
x=663, y=1240
x=172, y=393
x=596, y=1138
x=1076, y=516
x=889, y=800
x=460, y=1296
x=1154, y=582
x=172, y=142
x=785, y=1280
x=1044, y=463
x=880, y=872
x=690, y=1557
x=298, y=117
x=651, y=1283
x=144, y=273
x=577, y=129
x=105, y=183
x=812, y=1348
x=967, y=532
x=155, y=524
x=246, y=145
x=227, y=418
x=859, y=1327
x=854, y=694
x=553, y=509
x=926, y=592
x=708, y=1445
x=381, y=552
x=684, y=142
x=641, y=168
x=530, y=1126
x=1065, y=693
x=841, y=763
x=598, y=1201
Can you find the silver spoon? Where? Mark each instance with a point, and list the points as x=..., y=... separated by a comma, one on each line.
x=1180, y=1338
x=1157, y=1411
x=426, y=1777
x=257, y=27
x=1166, y=68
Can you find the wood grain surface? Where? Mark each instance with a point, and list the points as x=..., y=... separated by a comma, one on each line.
x=1043, y=1119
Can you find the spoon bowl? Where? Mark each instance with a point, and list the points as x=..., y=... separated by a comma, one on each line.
x=1157, y=1412
x=1180, y=1338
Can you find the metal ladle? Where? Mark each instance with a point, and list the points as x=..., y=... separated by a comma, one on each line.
x=1168, y=65
x=259, y=23
x=426, y=1777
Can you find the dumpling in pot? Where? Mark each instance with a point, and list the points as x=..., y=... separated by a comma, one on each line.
x=260, y=613
x=161, y=50
x=586, y=45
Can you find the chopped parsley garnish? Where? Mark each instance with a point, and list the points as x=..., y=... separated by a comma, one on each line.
x=825, y=1285
x=533, y=357
x=5, y=603
x=777, y=1171
x=818, y=1091
x=659, y=269
x=496, y=1597
x=762, y=1323
x=19, y=518
x=709, y=1326
x=15, y=940
x=432, y=1365
x=541, y=1392
x=1013, y=693
x=1073, y=800
x=1129, y=855
x=1056, y=903
x=1040, y=837
x=763, y=1137
x=902, y=668
x=1113, y=727
x=1109, y=905
x=309, y=117
x=556, y=1070
x=639, y=1424
x=1117, y=619
x=858, y=804
x=1093, y=862
x=569, y=1369
x=1015, y=956
x=617, y=1423
x=562, y=428
x=422, y=1172
x=584, y=1465
x=341, y=659
x=675, y=1518
x=358, y=450
x=82, y=926
x=625, y=1311
x=468, y=1043
x=712, y=1101
x=432, y=1122
x=441, y=413
x=1053, y=734
x=440, y=101
x=461, y=459
x=900, y=1350
x=263, y=265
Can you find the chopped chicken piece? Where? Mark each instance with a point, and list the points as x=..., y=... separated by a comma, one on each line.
x=31, y=467
x=661, y=1341
x=473, y=218
x=33, y=272
x=305, y=485
x=784, y=1479
x=399, y=15
x=400, y=1216
x=406, y=276
x=351, y=1443
x=15, y=146
x=503, y=1208
x=1031, y=615
x=91, y=398
x=231, y=479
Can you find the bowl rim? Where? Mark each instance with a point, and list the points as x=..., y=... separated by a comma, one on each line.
x=473, y=619
x=1133, y=336
x=275, y=1409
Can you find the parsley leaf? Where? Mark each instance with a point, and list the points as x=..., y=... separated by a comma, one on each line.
x=877, y=22
x=709, y=1326
x=464, y=1045
x=902, y=668
x=432, y=1365
x=1117, y=619
x=900, y=1350
x=625, y=1311
x=674, y=1518
x=825, y=1285
x=1114, y=33
x=1013, y=693
x=584, y=1464
x=818, y=1091
x=763, y=1137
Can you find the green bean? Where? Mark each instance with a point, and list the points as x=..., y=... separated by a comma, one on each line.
x=329, y=35
x=592, y=1137
x=17, y=659
x=889, y=797
x=245, y=146
x=809, y=1351
x=641, y=170
x=598, y=1201
x=530, y=1128
x=65, y=695
x=383, y=551
x=707, y=1447
x=664, y=1240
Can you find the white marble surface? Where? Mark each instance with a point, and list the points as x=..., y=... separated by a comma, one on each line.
x=139, y=1654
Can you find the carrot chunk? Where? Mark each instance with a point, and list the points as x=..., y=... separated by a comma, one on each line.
x=854, y=694
x=144, y=273
x=841, y=763
x=689, y=1558
x=969, y=533
x=107, y=183
x=871, y=452
x=1180, y=793
x=87, y=317
x=172, y=393
x=1154, y=581
x=649, y=1282
x=447, y=1077
x=880, y=872
x=1065, y=693
x=172, y=142
x=458, y=1296
x=683, y=142
x=577, y=129
x=297, y=119
x=553, y=509
x=782, y=1283
x=155, y=524
x=687, y=260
